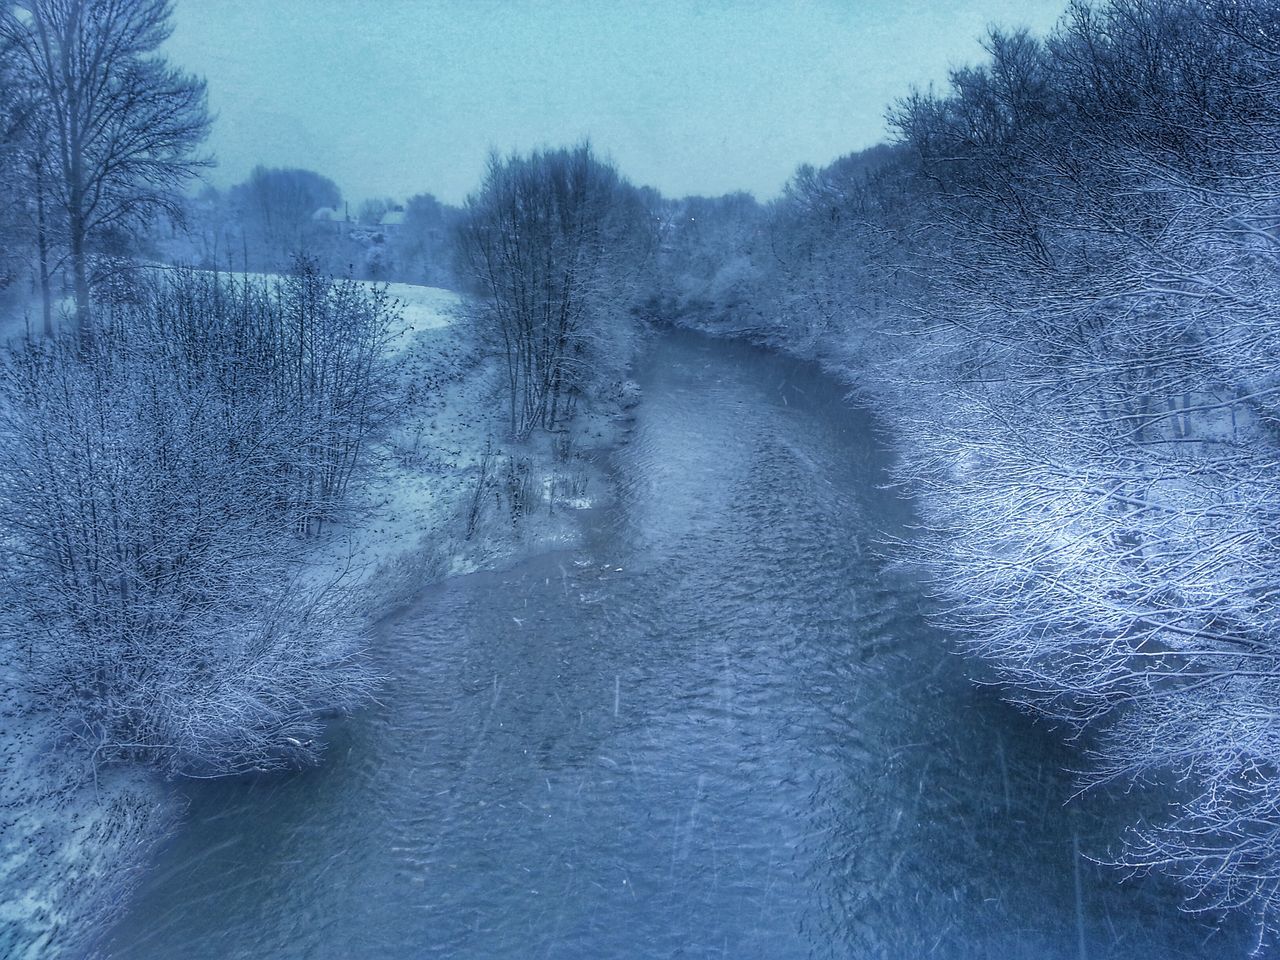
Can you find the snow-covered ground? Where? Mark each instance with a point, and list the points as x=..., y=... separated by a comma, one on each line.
x=73, y=843
x=422, y=308
x=425, y=308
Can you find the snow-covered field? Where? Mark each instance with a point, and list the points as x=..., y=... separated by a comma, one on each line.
x=424, y=308
x=73, y=842
x=404, y=519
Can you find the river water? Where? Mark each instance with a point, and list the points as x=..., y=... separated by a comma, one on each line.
x=724, y=727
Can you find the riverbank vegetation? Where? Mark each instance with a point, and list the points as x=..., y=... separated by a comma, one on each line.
x=156, y=490
x=1058, y=289
x=178, y=445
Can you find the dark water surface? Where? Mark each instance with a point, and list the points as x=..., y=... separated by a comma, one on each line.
x=721, y=729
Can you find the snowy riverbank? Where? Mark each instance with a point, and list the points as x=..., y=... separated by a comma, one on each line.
x=440, y=493
x=443, y=457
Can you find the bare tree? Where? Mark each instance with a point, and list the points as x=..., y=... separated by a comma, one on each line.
x=275, y=207
x=12, y=133
x=123, y=124
x=552, y=243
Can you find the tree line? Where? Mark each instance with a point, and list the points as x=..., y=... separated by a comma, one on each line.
x=264, y=221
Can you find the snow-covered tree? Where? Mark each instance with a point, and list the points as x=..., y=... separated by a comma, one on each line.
x=1060, y=289
x=552, y=245
x=275, y=209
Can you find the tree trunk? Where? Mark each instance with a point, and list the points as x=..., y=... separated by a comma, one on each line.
x=76, y=225
x=42, y=251
x=80, y=276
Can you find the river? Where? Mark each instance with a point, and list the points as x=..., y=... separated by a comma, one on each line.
x=723, y=727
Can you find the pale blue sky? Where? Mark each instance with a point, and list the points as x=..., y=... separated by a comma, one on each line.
x=394, y=97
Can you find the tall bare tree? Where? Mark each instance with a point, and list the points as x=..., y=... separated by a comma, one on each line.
x=13, y=141
x=124, y=125
x=551, y=244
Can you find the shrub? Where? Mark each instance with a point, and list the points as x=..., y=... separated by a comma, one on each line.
x=155, y=490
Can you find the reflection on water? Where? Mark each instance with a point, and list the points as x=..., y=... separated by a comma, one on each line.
x=722, y=728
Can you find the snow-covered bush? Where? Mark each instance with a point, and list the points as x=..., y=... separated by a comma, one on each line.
x=154, y=487
x=1099, y=449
